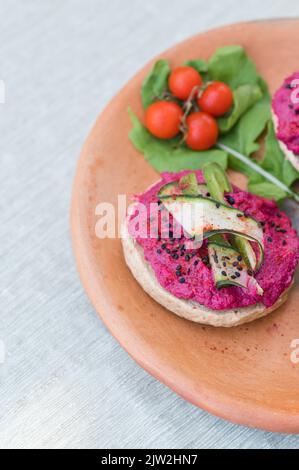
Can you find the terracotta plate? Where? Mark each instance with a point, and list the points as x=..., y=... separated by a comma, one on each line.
x=243, y=374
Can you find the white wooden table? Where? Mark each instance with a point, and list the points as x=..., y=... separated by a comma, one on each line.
x=65, y=381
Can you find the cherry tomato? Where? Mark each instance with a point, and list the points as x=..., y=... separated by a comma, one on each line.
x=182, y=80
x=163, y=119
x=202, y=131
x=217, y=99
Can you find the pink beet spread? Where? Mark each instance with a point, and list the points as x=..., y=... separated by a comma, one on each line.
x=287, y=112
x=172, y=262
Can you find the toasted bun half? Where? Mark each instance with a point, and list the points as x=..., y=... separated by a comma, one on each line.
x=290, y=156
x=187, y=309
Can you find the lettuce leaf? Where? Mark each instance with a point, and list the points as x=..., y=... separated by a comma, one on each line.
x=156, y=83
x=243, y=136
x=198, y=64
x=230, y=64
x=267, y=190
x=245, y=96
x=275, y=163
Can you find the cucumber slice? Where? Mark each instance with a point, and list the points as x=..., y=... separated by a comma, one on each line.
x=229, y=268
x=186, y=185
x=218, y=183
x=189, y=185
x=210, y=217
x=245, y=249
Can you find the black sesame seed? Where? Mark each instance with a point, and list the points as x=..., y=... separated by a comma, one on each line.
x=239, y=215
x=168, y=251
x=230, y=200
x=284, y=243
x=237, y=274
x=178, y=273
x=179, y=267
x=249, y=272
x=278, y=214
x=235, y=263
x=163, y=246
x=208, y=194
x=233, y=277
x=175, y=256
x=263, y=223
x=272, y=225
x=270, y=240
x=239, y=258
x=239, y=268
x=189, y=271
x=159, y=251
x=288, y=86
x=224, y=264
x=215, y=257
x=217, y=205
x=223, y=273
x=170, y=234
x=281, y=230
x=196, y=262
x=187, y=257
x=182, y=280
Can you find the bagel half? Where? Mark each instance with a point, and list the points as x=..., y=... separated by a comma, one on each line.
x=187, y=309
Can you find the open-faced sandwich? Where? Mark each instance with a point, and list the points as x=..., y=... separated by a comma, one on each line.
x=285, y=107
x=210, y=252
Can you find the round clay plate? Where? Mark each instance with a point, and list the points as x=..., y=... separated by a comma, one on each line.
x=244, y=374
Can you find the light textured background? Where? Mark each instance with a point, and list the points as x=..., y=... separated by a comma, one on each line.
x=65, y=381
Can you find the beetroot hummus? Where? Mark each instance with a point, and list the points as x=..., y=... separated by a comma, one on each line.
x=286, y=109
x=186, y=272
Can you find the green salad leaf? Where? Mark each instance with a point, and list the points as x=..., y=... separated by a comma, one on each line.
x=275, y=163
x=167, y=155
x=245, y=96
x=200, y=65
x=156, y=83
x=243, y=136
x=267, y=190
x=230, y=64
x=274, y=160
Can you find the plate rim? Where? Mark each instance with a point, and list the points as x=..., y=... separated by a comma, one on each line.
x=223, y=406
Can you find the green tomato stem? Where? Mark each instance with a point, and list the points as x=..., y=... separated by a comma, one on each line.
x=254, y=166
